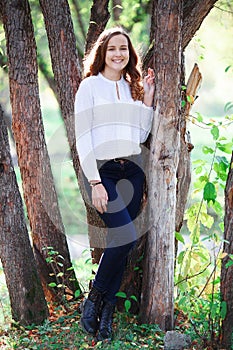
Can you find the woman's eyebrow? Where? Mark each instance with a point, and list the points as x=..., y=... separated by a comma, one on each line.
x=120, y=45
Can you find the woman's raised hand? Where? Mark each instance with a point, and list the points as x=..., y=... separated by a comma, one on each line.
x=149, y=87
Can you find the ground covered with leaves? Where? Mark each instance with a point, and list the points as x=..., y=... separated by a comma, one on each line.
x=62, y=332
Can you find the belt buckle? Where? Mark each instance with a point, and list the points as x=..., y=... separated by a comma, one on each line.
x=120, y=160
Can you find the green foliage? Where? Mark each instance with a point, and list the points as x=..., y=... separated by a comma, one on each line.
x=64, y=332
x=127, y=303
x=135, y=18
x=197, y=275
x=56, y=262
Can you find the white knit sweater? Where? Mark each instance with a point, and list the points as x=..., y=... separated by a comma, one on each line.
x=108, y=122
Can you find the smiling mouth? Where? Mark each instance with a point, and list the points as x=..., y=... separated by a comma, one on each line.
x=117, y=61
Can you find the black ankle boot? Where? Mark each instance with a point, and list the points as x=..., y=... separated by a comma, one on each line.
x=90, y=311
x=105, y=327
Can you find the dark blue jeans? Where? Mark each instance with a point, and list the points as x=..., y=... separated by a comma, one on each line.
x=124, y=185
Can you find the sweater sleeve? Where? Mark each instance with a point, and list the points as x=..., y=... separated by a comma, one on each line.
x=83, y=110
x=146, y=119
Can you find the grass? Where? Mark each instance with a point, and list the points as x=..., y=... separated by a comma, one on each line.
x=62, y=331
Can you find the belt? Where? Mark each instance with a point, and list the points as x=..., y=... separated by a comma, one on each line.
x=121, y=160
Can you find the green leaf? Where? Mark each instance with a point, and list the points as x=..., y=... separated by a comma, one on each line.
x=210, y=193
x=60, y=256
x=181, y=257
x=227, y=147
x=215, y=132
x=198, y=170
x=214, y=310
x=127, y=305
x=183, y=103
x=70, y=268
x=77, y=293
x=218, y=207
x=121, y=294
x=223, y=310
x=216, y=281
x=206, y=220
x=60, y=274
x=228, y=106
x=227, y=68
x=229, y=263
x=179, y=237
x=52, y=284
x=207, y=150
x=199, y=117
x=195, y=234
x=221, y=226
x=134, y=298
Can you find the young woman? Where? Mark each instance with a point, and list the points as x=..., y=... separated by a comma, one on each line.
x=113, y=116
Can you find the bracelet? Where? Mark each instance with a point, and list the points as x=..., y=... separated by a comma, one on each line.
x=95, y=183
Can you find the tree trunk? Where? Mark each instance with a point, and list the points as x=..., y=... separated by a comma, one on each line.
x=65, y=63
x=227, y=272
x=157, y=300
x=38, y=185
x=28, y=304
x=116, y=9
x=98, y=20
x=183, y=170
x=194, y=13
x=184, y=165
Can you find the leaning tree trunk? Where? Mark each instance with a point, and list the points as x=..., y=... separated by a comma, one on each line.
x=28, y=304
x=65, y=63
x=38, y=185
x=227, y=272
x=157, y=301
x=98, y=20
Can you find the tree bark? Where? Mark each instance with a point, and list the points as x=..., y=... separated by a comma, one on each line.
x=184, y=165
x=98, y=20
x=38, y=185
x=194, y=12
x=116, y=9
x=65, y=63
x=28, y=304
x=157, y=297
x=227, y=272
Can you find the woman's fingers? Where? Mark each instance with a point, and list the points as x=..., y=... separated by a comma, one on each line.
x=100, y=198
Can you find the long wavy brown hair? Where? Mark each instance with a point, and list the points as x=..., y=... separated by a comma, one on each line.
x=95, y=61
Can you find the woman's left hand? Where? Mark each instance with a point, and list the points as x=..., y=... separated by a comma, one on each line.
x=149, y=87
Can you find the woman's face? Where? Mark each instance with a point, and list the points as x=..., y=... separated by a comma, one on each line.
x=117, y=54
